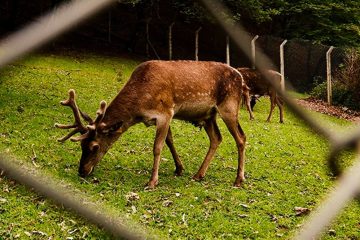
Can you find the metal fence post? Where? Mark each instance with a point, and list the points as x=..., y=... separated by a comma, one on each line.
x=282, y=63
x=227, y=50
x=197, y=43
x=328, y=75
x=253, y=50
x=170, y=40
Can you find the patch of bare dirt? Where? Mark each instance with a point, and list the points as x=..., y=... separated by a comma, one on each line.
x=322, y=107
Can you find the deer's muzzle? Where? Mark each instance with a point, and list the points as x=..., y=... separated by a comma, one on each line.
x=84, y=172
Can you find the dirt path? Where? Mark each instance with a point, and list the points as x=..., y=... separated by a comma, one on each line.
x=323, y=107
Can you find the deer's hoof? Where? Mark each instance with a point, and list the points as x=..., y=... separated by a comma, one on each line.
x=198, y=177
x=151, y=185
x=238, y=182
x=237, y=185
x=179, y=171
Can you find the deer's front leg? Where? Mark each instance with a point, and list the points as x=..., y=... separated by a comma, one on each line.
x=162, y=126
x=246, y=100
x=248, y=106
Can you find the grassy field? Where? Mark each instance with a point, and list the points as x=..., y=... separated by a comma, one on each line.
x=285, y=165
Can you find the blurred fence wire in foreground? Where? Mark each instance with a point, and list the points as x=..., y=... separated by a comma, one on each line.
x=69, y=15
x=46, y=187
x=17, y=45
x=348, y=185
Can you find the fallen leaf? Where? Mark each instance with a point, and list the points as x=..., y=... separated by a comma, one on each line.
x=133, y=208
x=167, y=203
x=73, y=231
x=322, y=107
x=95, y=181
x=131, y=196
x=244, y=205
x=332, y=232
x=42, y=214
x=301, y=211
x=183, y=219
x=273, y=218
x=39, y=233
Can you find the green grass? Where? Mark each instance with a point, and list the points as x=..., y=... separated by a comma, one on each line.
x=285, y=165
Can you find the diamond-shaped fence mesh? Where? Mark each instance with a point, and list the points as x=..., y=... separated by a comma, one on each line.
x=305, y=62
x=311, y=59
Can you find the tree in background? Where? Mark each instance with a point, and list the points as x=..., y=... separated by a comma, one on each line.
x=328, y=22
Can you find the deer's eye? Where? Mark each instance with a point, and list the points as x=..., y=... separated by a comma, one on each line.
x=115, y=127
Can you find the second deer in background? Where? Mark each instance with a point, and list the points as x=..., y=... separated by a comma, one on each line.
x=256, y=85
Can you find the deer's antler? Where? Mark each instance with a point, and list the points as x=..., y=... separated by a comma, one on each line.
x=101, y=112
x=78, y=125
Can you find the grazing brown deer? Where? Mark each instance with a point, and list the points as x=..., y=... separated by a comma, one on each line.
x=157, y=92
x=259, y=86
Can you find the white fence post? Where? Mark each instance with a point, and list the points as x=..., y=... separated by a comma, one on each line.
x=170, y=40
x=227, y=50
x=197, y=44
x=253, y=49
x=282, y=65
x=328, y=75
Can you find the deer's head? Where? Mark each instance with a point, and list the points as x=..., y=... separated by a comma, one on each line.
x=96, y=137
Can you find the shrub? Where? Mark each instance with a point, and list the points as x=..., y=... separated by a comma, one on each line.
x=346, y=83
x=319, y=88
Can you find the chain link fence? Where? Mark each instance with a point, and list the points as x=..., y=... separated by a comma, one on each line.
x=305, y=62
x=70, y=14
x=125, y=27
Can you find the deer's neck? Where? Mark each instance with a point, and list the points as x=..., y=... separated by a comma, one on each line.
x=118, y=111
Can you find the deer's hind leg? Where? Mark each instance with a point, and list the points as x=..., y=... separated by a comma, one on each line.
x=170, y=143
x=229, y=113
x=215, y=138
x=272, y=105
